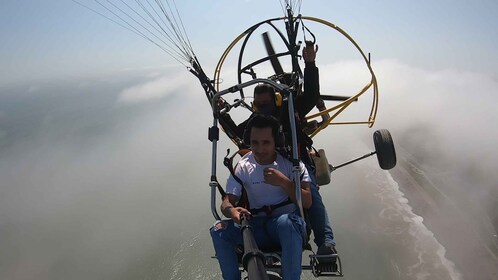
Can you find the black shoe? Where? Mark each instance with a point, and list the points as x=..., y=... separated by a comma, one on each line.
x=327, y=257
x=326, y=249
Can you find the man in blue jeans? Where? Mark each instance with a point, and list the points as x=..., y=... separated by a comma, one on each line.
x=265, y=176
x=264, y=103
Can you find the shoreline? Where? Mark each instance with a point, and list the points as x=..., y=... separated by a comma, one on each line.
x=462, y=237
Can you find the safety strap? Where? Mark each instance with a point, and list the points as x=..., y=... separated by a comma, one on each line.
x=268, y=209
x=228, y=162
x=219, y=187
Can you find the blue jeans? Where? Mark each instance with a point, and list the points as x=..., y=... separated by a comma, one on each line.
x=317, y=215
x=285, y=231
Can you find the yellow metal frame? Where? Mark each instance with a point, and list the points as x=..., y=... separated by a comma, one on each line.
x=336, y=109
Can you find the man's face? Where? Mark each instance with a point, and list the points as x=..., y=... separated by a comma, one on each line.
x=264, y=103
x=263, y=145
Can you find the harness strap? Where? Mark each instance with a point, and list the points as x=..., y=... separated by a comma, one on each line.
x=218, y=186
x=268, y=209
x=228, y=162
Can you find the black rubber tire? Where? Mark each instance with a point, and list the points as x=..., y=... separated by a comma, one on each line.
x=384, y=146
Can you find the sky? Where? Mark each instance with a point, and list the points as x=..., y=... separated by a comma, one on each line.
x=96, y=124
x=62, y=40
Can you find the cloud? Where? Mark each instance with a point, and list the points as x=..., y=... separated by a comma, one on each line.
x=442, y=121
x=102, y=187
x=456, y=105
x=153, y=89
x=32, y=89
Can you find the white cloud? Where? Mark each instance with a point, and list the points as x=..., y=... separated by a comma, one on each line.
x=451, y=101
x=117, y=192
x=153, y=89
x=33, y=88
x=445, y=116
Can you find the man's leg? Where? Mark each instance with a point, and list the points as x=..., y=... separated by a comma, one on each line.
x=288, y=230
x=226, y=236
x=318, y=217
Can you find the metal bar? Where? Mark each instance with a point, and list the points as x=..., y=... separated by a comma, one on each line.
x=212, y=183
x=295, y=157
x=354, y=160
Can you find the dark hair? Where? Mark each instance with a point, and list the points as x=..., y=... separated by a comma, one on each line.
x=262, y=121
x=264, y=88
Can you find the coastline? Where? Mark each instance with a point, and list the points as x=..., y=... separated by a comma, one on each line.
x=462, y=235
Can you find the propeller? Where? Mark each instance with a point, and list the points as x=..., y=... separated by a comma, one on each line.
x=286, y=78
x=277, y=67
x=280, y=75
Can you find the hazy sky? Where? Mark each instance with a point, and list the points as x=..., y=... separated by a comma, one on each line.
x=62, y=40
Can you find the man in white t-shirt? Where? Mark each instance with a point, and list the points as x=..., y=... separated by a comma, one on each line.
x=266, y=177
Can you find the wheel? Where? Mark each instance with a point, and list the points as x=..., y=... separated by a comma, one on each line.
x=384, y=146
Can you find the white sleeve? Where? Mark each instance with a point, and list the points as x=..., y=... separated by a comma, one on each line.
x=233, y=186
x=305, y=176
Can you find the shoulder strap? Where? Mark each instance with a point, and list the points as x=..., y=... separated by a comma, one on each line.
x=228, y=162
x=220, y=189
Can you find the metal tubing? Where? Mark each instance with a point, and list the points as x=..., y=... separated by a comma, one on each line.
x=295, y=156
x=212, y=183
x=351, y=161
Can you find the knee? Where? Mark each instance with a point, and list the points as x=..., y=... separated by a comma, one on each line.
x=217, y=228
x=290, y=223
x=284, y=220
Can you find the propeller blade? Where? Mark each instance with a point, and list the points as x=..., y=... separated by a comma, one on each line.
x=277, y=67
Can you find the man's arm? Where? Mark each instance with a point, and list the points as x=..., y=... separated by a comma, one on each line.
x=311, y=94
x=290, y=189
x=230, y=211
x=277, y=178
x=228, y=125
x=227, y=205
